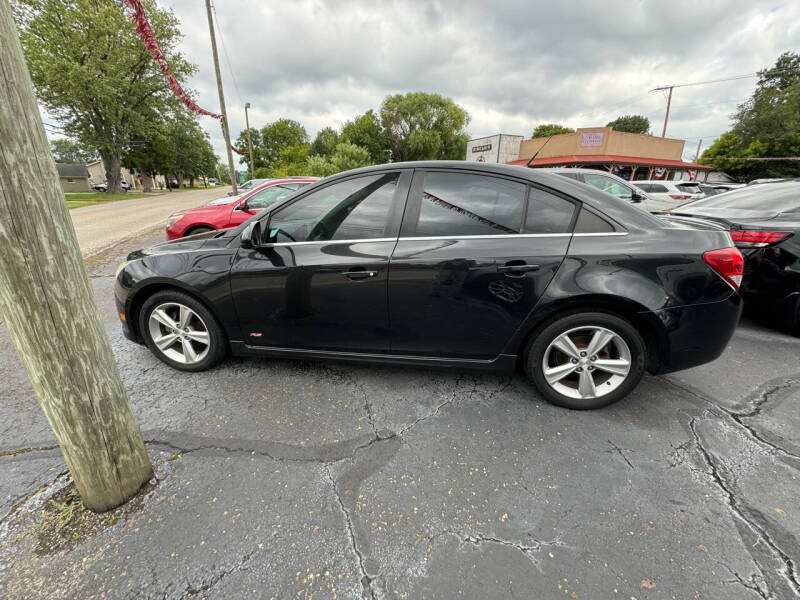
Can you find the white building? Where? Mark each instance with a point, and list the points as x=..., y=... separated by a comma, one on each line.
x=497, y=149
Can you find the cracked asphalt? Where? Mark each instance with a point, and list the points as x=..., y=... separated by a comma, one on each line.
x=278, y=479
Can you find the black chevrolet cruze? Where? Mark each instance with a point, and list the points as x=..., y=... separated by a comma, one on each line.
x=446, y=264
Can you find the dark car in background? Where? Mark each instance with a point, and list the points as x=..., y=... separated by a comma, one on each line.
x=446, y=264
x=764, y=223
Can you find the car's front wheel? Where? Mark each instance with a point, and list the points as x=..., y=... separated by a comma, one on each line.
x=586, y=360
x=181, y=331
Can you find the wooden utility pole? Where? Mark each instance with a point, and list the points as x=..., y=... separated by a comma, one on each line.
x=48, y=306
x=249, y=141
x=669, y=101
x=697, y=154
x=225, y=130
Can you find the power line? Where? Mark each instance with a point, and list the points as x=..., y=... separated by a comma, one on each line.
x=225, y=53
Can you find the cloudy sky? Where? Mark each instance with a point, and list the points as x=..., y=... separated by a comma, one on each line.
x=512, y=64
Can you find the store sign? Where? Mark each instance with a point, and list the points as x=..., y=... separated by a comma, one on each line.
x=482, y=148
x=591, y=140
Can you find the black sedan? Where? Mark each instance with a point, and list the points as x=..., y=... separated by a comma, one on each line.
x=449, y=264
x=764, y=222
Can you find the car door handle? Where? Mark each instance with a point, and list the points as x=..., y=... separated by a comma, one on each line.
x=356, y=274
x=516, y=268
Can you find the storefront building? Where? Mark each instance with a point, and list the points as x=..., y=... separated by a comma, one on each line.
x=628, y=155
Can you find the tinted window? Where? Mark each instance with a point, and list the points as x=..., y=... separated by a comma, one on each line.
x=645, y=187
x=269, y=196
x=767, y=198
x=459, y=204
x=608, y=185
x=689, y=188
x=588, y=222
x=548, y=213
x=353, y=209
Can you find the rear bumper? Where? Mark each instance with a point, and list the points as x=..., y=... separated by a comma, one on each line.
x=696, y=334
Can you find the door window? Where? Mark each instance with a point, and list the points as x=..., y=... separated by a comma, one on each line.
x=271, y=195
x=608, y=185
x=548, y=213
x=464, y=204
x=352, y=209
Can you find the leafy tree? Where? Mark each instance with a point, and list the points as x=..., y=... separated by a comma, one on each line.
x=325, y=142
x=630, y=124
x=241, y=144
x=366, y=131
x=275, y=137
x=421, y=126
x=766, y=126
x=292, y=161
x=548, y=129
x=69, y=151
x=345, y=157
x=92, y=73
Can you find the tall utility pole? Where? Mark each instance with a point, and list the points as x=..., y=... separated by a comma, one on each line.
x=669, y=101
x=48, y=305
x=249, y=141
x=225, y=131
x=697, y=154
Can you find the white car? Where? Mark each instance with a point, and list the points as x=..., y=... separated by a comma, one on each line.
x=678, y=192
x=616, y=186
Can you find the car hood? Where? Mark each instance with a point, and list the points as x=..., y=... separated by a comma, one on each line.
x=185, y=244
x=200, y=210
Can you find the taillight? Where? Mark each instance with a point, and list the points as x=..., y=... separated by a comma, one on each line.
x=728, y=262
x=757, y=239
x=680, y=196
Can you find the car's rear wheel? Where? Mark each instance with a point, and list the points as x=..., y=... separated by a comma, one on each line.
x=586, y=360
x=181, y=331
x=198, y=230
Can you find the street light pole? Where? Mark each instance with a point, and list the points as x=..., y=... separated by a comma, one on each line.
x=225, y=131
x=249, y=141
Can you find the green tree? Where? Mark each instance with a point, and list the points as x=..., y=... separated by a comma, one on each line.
x=630, y=124
x=69, y=151
x=92, y=73
x=421, y=126
x=325, y=142
x=241, y=145
x=345, y=157
x=275, y=137
x=366, y=131
x=548, y=129
x=292, y=161
x=766, y=126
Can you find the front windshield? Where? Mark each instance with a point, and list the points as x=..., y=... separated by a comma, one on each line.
x=767, y=198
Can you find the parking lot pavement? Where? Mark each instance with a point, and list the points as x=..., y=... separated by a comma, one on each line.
x=282, y=479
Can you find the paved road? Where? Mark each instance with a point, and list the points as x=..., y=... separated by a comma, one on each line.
x=290, y=479
x=104, y=225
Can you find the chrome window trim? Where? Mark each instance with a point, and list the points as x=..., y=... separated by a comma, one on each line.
x=506, y=236
x=449, y=237
x=357, y=241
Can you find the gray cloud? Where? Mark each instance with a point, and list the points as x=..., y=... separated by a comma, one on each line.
x=512, y=64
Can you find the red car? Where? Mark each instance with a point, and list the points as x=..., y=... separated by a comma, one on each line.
x=223, y=216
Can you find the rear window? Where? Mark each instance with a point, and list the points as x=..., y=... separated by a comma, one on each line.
x=689, y=188
x=769, y=197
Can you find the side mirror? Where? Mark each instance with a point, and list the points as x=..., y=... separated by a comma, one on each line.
x=251, y=236
x=637, y=197
x=242, y=206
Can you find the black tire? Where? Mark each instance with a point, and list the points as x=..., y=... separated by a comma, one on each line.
x=541, y=340
x=198, y=230
x=218, y=343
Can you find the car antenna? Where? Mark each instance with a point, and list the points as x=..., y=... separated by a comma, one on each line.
x=535, y=154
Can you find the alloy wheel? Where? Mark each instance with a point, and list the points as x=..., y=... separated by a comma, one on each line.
x=179, y=333
x=586, y=362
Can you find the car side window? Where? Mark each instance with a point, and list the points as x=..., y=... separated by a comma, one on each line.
x=657, y=188
x=357, y=208
x=269, y=196
x=588, y=222
x=465, y=204
x=645, y=187
x=547, y=213
x=609, y=186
